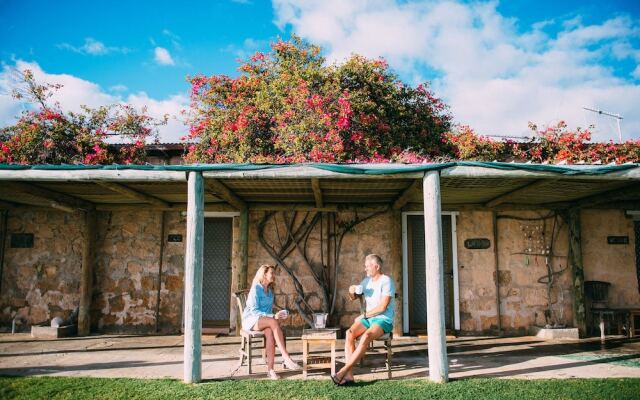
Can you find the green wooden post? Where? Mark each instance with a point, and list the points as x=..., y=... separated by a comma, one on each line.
x=193, y=279
x=577, y=270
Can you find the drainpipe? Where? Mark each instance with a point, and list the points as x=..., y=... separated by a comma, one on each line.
x=160, y=260
x=497, y=270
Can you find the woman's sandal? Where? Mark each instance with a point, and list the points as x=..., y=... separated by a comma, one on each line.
x=335, y=380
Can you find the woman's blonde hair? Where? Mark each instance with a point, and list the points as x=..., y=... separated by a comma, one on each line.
x=262, y=271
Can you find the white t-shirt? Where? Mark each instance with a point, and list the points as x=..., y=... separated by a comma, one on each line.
x=374, y=291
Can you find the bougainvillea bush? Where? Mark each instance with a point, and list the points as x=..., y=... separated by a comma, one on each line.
x=289, y=105
x=48, y=135
x=554, y=144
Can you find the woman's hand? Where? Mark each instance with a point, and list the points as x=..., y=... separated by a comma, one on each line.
x=282, y=314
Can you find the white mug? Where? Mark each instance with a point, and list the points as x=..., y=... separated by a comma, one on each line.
x=359, y=289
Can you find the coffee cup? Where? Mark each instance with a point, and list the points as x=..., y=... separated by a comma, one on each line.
x=285, y=313
x=359, y=289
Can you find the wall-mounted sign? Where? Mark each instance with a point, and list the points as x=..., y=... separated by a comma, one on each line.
x=174, y=238
x=477, y=243
x=617, y=239
x=21, y=240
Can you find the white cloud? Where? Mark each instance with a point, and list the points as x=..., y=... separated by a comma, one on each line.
x=76, y=92
x=119, y=88
x=94, y=47
x=162, y=56
x=495, y=78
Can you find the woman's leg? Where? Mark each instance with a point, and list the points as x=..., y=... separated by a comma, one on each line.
x=270, y=345
x=278, y=335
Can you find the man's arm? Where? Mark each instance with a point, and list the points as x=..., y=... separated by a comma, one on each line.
x=384, y=303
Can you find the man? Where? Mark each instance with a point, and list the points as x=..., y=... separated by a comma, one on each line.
x=378, y=291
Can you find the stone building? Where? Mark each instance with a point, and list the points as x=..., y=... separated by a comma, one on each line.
x=517, y=242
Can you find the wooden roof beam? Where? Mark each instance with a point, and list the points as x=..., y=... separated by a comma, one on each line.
x=328, y=207
x=53, y=199
x=619, y=194
x=6, y=205
x=407, y=194
x=317, y=192
x=218, y=189
x=507, y=197
x=133, y=194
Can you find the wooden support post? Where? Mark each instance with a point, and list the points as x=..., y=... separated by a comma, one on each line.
x=437, y=342
x=396, y=268
x=243, y=250
x=160, y=261
x=577, y=271
x=496, y=258
x=193, y=279
x=86, y=276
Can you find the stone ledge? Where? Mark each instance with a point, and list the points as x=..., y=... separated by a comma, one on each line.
x=48, y=332
x=555, y=333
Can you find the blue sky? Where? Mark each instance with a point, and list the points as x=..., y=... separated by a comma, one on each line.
x=498, y=64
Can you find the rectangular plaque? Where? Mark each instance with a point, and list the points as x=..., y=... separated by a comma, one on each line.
x=617, y=239
x=21, y=240
x=477, y=243
x=174, y=238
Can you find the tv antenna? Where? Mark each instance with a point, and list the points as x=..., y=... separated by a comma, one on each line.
x=618, y=118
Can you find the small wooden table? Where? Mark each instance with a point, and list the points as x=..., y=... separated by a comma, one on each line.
x=319, y=336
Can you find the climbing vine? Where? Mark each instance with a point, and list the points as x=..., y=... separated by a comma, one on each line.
x=292, y=232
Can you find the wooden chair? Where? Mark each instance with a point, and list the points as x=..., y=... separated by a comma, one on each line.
x=247, y=337
x=386, y=339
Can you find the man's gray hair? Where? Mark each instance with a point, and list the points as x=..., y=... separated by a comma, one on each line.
x=375, y=258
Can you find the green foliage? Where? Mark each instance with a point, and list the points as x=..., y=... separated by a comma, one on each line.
x=53, y=388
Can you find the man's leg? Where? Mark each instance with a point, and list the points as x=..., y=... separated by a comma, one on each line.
x=374, y=332
x=353, y=333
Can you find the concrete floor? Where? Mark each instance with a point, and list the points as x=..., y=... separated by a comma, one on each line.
x=161, y=356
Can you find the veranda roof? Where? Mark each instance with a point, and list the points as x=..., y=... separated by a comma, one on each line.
x=473, y=185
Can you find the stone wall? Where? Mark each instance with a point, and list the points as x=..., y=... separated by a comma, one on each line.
x=42, y=282
x=126, y=273
x=610, y=263
x=523, y=298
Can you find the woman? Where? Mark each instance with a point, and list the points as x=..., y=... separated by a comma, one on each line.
x=258, y=316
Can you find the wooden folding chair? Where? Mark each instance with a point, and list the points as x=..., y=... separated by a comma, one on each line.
x=247, y=337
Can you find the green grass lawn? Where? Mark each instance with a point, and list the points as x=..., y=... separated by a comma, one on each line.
x=469, y=389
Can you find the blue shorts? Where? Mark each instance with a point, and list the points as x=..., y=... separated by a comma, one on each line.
x=381, y=322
